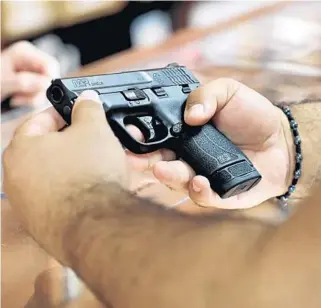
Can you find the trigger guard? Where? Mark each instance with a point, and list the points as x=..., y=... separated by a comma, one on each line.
x=117, y=124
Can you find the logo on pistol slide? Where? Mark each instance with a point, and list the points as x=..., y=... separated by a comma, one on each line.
x=81, y=83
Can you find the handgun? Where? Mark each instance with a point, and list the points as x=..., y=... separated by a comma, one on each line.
x=154, y=100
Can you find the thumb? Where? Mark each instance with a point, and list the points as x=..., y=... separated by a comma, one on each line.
x=204, y=102
x=88, y=111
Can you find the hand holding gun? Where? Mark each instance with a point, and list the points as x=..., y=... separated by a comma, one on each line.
x=154, y=101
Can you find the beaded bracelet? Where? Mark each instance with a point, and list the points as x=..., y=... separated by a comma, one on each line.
x=298, y=157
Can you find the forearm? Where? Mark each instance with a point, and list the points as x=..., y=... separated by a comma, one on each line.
x=131, y=252
x=295, y=245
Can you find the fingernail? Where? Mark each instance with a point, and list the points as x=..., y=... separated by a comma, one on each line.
x=90, y=95
x=195, y=187
x=195, y=110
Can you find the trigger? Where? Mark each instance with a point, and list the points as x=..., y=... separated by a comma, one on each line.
x=145, y=124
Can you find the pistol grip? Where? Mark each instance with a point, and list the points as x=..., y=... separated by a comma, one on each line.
x=214, y=156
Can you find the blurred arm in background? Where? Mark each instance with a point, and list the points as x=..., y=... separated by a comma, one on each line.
x=25, y=73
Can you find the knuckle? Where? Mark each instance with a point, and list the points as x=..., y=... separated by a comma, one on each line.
x=22, y=83
x=23, y=43
x=231, y=85
x=223, y=88
x=50, y=64
x=21, y=46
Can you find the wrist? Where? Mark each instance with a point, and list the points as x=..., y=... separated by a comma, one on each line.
x=290, y=149
x=295, y=161
x=308, y=116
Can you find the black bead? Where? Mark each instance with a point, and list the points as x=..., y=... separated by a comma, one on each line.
x=287, y=110
x=292, y=189
x=297, y=174
x=298, y=156
x=293, y=124
x=295, y=132
x=290, y=118
x=283, y=199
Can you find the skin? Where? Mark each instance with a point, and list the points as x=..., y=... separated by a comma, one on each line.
x=252, y=123
x=121, y=245
x=269, y=276
x=26, y=72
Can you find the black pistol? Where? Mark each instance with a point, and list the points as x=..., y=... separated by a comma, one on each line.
x=154, y=100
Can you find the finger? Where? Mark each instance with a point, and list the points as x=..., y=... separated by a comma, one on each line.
x=201, y=193
x=176, y=174
x=145, y=162
x=49, y=287
x=135, y=132
x=27, y=83
x=88, y=112
x=234, y=106
x=26, y=57
x=42, y=123
x=35, y=100
x=203, y=102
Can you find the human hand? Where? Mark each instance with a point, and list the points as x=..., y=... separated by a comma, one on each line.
x=252, y=123
x=26, y=72
x=53, y=289
x=44, y=169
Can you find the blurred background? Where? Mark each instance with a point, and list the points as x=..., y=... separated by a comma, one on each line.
x=285, y=41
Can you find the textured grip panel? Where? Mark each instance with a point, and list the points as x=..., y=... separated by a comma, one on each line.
x=214, y=156
x=240, y=169
x=223, y=175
